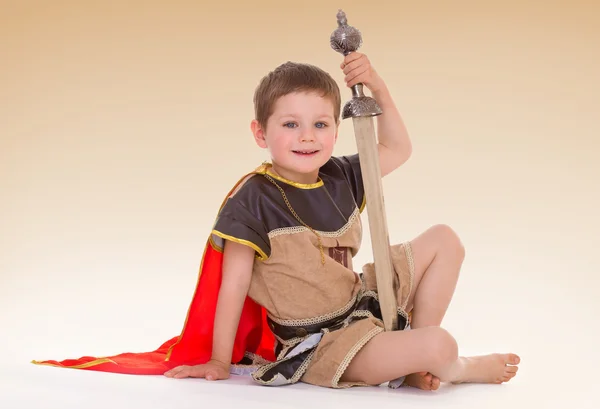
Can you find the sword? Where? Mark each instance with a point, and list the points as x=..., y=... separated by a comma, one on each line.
x=361, y=108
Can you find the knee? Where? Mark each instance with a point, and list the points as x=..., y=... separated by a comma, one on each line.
x=449, y=240
x=442, y=346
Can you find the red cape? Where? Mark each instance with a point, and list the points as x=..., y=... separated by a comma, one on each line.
x=194, y=345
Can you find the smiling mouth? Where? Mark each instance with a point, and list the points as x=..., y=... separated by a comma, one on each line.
x=306, y=152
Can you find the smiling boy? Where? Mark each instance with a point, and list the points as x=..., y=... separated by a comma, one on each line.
x=289, y=233
x=278, y=296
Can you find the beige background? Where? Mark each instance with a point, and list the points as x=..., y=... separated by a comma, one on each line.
x=123, y=124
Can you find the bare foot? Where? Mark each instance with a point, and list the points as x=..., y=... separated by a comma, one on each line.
x=422, y=380
x=493, y=368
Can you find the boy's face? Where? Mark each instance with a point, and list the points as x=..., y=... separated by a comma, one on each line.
x=300, y=135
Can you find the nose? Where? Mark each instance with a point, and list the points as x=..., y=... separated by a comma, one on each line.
x=307, y=136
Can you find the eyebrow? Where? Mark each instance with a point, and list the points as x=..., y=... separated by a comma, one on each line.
x=328, y=116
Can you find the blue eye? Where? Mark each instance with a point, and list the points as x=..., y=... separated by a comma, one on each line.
x=293, y=125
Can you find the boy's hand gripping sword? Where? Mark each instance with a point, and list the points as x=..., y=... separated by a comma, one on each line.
x=346, y=39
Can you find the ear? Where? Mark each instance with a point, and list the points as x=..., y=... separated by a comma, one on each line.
x=259, y=133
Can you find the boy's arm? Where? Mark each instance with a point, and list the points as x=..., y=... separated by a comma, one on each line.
x=238, y=260
x=394, y=144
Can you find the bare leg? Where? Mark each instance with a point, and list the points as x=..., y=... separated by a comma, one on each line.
x=438, y=256
x=391, y=355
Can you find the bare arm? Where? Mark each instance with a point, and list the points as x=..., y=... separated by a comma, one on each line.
x=394, y=144
x=237, y=272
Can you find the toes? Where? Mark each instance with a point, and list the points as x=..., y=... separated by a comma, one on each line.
x=422, y=380
x=507, y=377
x=428, y=381
x=435, y=383
x=512, y=359
x=511, y=369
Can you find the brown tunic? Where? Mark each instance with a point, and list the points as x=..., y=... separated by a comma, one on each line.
x=305, y=237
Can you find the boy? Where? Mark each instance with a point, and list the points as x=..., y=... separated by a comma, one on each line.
x=277, y=295
x=297, y=117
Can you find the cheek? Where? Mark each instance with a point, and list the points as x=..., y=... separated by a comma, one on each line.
x=280, y=142
x=329, y=140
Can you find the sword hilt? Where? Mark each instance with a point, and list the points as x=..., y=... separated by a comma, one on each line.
x=346, y=39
